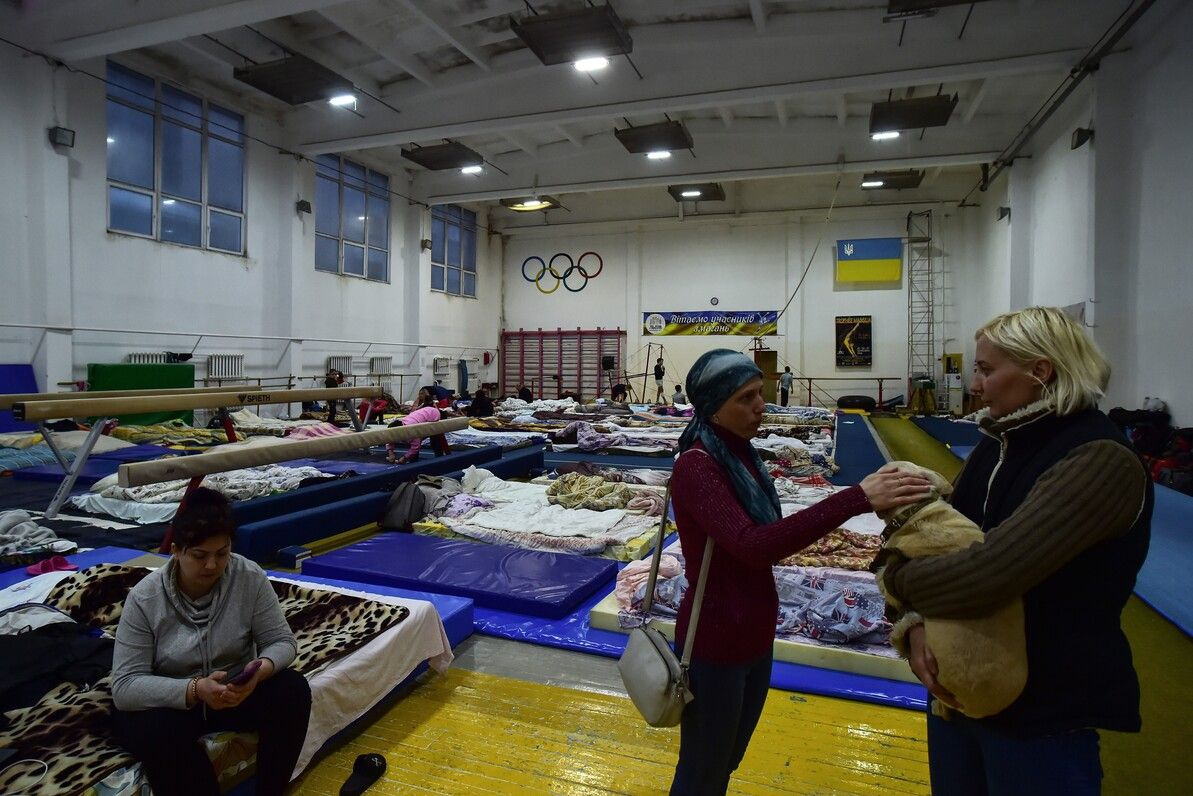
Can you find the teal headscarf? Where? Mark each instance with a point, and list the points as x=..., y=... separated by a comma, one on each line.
x=716, y=376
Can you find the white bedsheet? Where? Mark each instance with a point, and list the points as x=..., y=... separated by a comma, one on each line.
x=551, y=520
x=345, y=690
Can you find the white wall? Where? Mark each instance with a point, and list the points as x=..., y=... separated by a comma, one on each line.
x=62, y=267
x=982, y=280
x=1145, y=173
x=750, y=261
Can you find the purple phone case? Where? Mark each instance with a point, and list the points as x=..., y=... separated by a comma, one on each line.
x=247, y=673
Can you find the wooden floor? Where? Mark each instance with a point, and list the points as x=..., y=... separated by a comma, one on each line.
x=472, y=733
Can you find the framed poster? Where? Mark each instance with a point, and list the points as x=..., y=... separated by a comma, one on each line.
x=854, y=341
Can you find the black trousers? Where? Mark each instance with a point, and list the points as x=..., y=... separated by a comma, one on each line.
x=783, y=396
x=717, y=724
x=331, y=410
x=166, y=740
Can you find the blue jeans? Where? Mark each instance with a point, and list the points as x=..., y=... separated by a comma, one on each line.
x=717, y=724
x=970, y=757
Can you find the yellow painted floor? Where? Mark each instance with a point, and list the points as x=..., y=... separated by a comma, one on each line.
x=471, y=733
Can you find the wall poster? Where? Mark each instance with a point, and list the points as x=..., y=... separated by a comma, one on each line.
x=854, y=337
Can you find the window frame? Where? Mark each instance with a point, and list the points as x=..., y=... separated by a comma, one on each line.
x=158, y=194
x=454, y=216
x=370, y=189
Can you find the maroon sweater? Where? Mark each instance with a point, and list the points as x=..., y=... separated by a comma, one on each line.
x=737, y=618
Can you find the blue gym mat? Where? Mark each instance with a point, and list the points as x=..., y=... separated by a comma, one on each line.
x=93, y=470
x=531, y=582
x=16, y=379
x=949, y=431
x=572, y=632
x=1164, y=582
x=555, y=458
x=856, y=451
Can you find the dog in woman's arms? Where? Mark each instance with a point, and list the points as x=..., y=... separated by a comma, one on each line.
x=982, y=661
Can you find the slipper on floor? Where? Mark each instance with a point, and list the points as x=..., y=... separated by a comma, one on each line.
x=365, y=771
x=51, y=564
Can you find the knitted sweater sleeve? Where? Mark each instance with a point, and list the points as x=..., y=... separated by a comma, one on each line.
x=1094, y=493
x=701, y=488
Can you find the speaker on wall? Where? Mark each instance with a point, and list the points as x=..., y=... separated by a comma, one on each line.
x=608, y=362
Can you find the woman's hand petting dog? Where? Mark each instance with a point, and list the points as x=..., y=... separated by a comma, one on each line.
x=889, y=488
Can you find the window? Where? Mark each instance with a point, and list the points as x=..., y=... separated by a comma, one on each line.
x=351, y=219
x=175, y=165
x=453, y=250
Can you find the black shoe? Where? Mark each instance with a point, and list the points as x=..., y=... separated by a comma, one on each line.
x=365, y=771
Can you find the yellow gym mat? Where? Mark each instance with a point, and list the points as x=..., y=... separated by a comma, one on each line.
x=842, y=659
x=472, y=733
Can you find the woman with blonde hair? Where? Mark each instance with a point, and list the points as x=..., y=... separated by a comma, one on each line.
x=1065, y=504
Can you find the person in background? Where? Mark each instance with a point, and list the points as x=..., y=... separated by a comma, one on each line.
x=785, y=381
x=206, y=613
x=481, y=406
x=333, y=379
x=722, y=491
x=525, y=394
x=659, y=373
x=679, y=397
x=425, y=411
x=619, y=393
x=1066, y=506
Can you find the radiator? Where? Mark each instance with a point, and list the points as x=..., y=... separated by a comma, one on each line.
x=225, y=366
x=381, y=366
x=147, y=358
x=340, y=362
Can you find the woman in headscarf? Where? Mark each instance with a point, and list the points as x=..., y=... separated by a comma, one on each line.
x=722, y=491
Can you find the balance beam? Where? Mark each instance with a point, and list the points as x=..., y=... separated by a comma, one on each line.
x=110, y=407
x=6, y=401
x=219, y=461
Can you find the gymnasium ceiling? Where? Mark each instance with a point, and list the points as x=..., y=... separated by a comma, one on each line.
x=767, y=88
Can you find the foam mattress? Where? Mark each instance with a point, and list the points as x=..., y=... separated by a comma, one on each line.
x=528, y=582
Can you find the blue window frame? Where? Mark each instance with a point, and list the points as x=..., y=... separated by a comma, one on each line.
x=453, y=250
x=175, y=165
x=351, y=219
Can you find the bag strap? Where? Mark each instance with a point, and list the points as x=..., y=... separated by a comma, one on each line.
x=654, y=574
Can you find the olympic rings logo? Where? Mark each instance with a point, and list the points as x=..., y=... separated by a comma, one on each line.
x=576, y=266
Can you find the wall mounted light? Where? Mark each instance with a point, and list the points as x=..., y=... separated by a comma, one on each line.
x=61, y=136
x=1003, y=212
x=1081, y=137
x=302, y=206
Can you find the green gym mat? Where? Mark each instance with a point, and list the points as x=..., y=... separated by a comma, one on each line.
x=102, y=376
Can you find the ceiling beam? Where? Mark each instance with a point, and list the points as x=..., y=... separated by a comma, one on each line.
x=842, y=110
x=577, y=142
x=457, y=37
x=835, y=167
x=379, y=40
x=1018, y=65
x=282, y=35
x=781, y=112
x=148, y=32
x=521, y=141
x=758, y=14
x=726, y=116
x=972, y=106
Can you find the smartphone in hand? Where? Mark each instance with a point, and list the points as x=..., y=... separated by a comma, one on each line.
x=245, y=674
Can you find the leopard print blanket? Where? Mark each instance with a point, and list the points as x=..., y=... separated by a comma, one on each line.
x=70, y=728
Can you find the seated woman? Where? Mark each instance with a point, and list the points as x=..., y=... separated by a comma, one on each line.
x=481, y=406
x=425, y=411
x=184, y=628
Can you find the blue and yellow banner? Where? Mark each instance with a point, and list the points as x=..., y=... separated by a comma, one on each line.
x=870, y=260
x=750, y=323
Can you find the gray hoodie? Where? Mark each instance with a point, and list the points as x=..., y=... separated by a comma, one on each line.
x=161, y=645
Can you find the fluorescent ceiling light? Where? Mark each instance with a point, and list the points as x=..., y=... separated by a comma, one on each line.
x=111, y=140
x=872, y=183
x=658, y=154
x=885, y=135
x=531, y=204
x=471, y=170
x=689, y=194
x=342, y=100
x=591, y=64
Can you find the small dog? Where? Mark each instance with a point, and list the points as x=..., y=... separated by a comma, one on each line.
x=982, y=661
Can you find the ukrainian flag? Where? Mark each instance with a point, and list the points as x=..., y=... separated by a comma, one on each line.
x=870, y=260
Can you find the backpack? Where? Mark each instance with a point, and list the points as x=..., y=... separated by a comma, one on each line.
x=406, y=506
